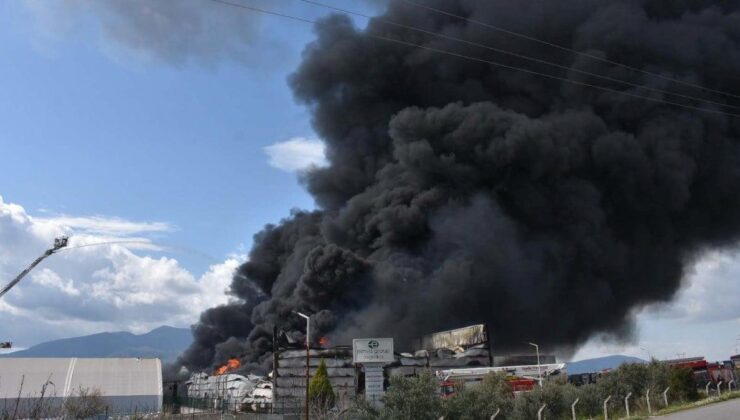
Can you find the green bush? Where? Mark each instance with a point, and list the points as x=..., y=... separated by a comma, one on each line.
x=589, y=400
x=527, y=404
x=418, y=398
x=320, y=392
x=86, y=404
x=683, y=385
x=481, y=401
x=412, y=399
x=360, y=410
x=557, y=394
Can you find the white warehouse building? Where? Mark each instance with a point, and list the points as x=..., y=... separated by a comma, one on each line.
x=126, y=385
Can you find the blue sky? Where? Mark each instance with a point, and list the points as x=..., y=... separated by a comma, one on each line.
x=85, y=133
x=111, y=128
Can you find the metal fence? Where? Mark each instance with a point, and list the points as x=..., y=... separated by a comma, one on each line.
x=282, y=408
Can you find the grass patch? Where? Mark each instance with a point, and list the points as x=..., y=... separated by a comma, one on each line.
x=701, y=403
x=673, y=408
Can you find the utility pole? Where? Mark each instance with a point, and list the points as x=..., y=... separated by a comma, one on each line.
x=539, y=370
x=59, y=243
x=308, y=353
x=275, y=364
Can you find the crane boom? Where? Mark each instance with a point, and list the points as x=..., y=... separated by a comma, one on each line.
x=59, y=243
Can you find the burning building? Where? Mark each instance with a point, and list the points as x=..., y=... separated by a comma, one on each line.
x=227, y=391
x=547, y=199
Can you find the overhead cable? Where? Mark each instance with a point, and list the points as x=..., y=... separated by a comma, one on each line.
x=564, y=48
x=514, y=54
x=494, y=63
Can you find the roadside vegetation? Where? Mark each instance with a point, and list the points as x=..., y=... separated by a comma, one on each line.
x=84, y=403
x=418, y=398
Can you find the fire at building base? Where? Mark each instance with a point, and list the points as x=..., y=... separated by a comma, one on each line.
x=457, y=358
x=460, y=357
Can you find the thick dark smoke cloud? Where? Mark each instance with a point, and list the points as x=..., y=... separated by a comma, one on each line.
x=460, y=192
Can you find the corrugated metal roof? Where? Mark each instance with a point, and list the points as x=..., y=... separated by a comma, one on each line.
x=114, y=377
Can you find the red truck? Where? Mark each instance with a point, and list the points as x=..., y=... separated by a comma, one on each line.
x=520, y=378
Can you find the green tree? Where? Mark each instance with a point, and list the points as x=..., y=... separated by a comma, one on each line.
x=360, y=410
x=412, y=399
x=556, y=393
x=683, y=384
x=320, y=392
x=590, y=400
x=481, y=401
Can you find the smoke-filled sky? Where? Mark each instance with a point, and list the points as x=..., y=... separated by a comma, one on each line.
x=453, y=191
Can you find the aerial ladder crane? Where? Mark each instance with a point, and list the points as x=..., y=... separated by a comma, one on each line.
x=59, y=243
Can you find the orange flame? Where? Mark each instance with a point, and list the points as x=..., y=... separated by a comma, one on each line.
x=323, y=341
x=232, y=364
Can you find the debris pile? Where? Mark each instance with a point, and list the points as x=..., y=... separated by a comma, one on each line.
x=230, y=391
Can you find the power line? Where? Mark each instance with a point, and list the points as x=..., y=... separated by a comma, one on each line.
x=621, y=92
x=267, y=12
x=494, y=63
x=514, y=54
x=564, y=48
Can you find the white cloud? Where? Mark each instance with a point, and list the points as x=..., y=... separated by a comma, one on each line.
x=703, y=319
x=296, y=154
x=172, y=32
x=51, y=279
x=711, y=291
x=104, y=225
x=97, y=288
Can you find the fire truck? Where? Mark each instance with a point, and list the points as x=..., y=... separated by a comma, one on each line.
x=704, y=371
x=520, y=378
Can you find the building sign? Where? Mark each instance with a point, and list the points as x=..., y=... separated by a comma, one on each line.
x=372, y=350
x=374, y=379
x=461, y=337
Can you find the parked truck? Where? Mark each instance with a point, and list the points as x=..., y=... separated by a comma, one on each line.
x=520, y=378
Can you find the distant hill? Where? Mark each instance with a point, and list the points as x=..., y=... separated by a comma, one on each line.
x=164, y=342
x=600, y=363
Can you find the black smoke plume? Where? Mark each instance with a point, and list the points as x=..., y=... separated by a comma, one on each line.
x=460, y=192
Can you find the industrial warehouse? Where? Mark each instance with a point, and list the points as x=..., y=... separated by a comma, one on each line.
x=32, y=387
x=459, y=359
x=462, y=355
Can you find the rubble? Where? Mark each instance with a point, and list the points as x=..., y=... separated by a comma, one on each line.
x=230, y=390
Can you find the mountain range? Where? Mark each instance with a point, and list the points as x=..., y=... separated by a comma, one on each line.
x=167, y=343
x=164, y=342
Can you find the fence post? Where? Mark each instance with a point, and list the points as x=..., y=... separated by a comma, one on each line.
x=647, y=397
x=719, y=389
x=706, y=388
x=729, y=385
x=539, y=412
x=493, y=416
x=573, y=408
x=606, y=411
x=627, y=403
x=665, y=396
